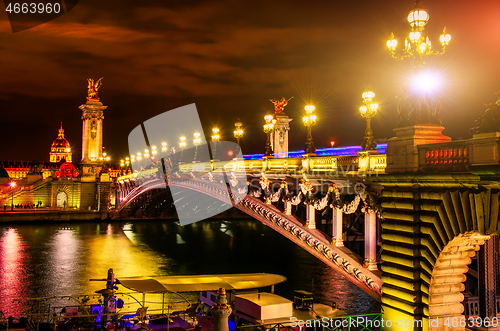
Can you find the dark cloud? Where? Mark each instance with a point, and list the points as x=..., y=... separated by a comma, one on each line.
x=230, y=57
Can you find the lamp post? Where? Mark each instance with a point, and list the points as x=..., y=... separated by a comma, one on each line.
x=268, y=128
x=12, y=185
x=196, y=142
x=422, y=107
x=238, y=133
x=368, y=110
x=215, y=139
x=417, y=46
x=309, y=121
x=163, y=147
x=182, y=144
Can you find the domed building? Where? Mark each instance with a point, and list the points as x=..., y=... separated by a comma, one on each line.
x=4, y=176
x=60, y=149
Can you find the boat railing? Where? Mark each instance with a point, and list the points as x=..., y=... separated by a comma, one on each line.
x=367, y=322
x=86, y=312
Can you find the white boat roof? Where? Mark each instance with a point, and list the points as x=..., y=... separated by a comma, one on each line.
x=197, y=283
x=263, y=299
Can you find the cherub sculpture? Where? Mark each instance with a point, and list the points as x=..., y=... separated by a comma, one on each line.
x=279, y=105
x=92, y=90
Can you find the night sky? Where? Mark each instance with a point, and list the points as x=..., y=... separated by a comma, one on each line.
x=230, y=58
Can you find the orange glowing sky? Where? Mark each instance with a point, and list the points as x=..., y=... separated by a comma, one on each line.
x=229, y=58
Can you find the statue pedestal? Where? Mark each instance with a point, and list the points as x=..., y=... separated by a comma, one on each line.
x=402, y=151
x=92, y=116
x=279, y=137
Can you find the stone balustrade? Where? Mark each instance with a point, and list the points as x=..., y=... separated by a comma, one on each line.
x=448, y=156
x=345, y=164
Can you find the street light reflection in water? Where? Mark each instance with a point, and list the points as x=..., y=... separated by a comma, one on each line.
x=59, y=259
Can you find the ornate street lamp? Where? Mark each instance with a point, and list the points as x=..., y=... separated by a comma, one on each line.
x=12, y=185
x=163, y=147
x=268, y=128
x=153, y=152
x=420, y=106
x=417, y=46
x=238, y=133
x=368, y=110
x=182, y=144
x=215, y=139
x=196, y=142
x=309, y=121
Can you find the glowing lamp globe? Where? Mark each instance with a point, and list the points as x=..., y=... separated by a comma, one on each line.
x=368, y=95
x=392, y=43
x=418, y=18
x=445, y=38
x=332, y=143
x=310, y=108
x=414, y=36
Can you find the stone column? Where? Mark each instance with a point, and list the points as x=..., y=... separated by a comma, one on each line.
x=310, y=216
x=288, y=208
x=371, y=240
x=221, y=311
x=337, y=227
x=279, y=137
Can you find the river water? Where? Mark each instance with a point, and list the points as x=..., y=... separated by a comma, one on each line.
x=56, y=259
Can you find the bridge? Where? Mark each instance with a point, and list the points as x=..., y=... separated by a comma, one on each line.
x=430, y=216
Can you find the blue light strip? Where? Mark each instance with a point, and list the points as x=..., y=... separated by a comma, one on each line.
x=333, y=151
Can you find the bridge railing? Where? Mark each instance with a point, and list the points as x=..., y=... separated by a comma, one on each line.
x=345, y=163
x=448, y=156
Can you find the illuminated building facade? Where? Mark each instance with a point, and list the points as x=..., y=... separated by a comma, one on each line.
x=60, y=183
x=60, y=149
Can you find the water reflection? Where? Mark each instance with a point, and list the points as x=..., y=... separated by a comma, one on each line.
x=13, y=282
x=60, y=259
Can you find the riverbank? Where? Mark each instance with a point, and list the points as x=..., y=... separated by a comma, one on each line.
x=33, y=215
x=36, y=215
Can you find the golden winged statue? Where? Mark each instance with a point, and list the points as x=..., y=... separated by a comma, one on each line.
x=92, y=90
x=279, y=105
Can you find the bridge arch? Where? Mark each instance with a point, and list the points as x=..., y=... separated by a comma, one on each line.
x=310, y=239
x=430, y=231
x=446, y=288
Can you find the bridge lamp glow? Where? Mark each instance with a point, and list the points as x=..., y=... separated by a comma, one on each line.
x=425, y=82
x=182, y=144
x=445, y=38
x=418, y=18
x=309, y=121
x=12, y=184
x=368, y=111
x=392, y=43
x=414, y=36
x=268, y=128
x=238, y=133
x=196, y=140
x=164, y=147
x=215, y=134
